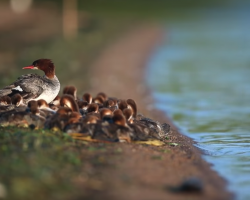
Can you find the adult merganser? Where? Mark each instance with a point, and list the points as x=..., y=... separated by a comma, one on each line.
x=33, y=86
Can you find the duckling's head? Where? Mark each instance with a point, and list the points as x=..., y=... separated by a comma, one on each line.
x=42, y=104
x=122, y=104
x=132, y=105
x=71, y=90
x=128, y=114
x=68, y=101
x=17, y=99
x=5, y=100
x=87, y=97
x=103, y=95
x=93, y=107
x=119, y=119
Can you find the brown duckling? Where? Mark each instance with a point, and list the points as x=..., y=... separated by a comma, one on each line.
x=68, y=101
x=87, y=97
x=132, y=105
x=59, y=119
x=122, y=104
x=120, y=127
x=103, y=95
x=5, y=100
x=70, y=90
x=55, y=104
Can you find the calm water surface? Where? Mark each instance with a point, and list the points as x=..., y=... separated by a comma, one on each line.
x=201, y=78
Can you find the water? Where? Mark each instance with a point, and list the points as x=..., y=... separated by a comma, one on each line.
x=201, y=78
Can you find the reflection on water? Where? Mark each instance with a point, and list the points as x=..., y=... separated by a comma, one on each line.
x=201, y=78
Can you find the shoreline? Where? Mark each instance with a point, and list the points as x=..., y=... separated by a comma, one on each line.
x=120, y=71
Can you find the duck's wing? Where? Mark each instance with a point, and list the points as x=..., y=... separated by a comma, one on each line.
x=29, y=86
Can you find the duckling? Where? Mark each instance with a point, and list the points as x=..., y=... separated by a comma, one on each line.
x=65, y=89
x=111, y=104
x=68, y=101
x=17, y=100
x=121, y=128
x=70, y=90
x=106, y=115
x=93, y=109
x=54, y=105
x=74, y=117
x=5, y=104
x=122, y=104
x=103, y=95
x=128, y=113
x=87, y=97
x=83, y=106
x=59, y=119
x=153, y=128
x=98, y=99
x=5, y=100
x=35, y=119
x=132, y=105
x=44, y=108
x=91, y=119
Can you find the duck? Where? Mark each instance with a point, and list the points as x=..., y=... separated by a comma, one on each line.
x=6, y=104
x=87, y=97
x=71, y=90
x=33, y=86
x=69, y=101
x=55, y=104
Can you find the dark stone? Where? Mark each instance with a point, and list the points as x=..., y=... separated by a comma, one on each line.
x=190, y=185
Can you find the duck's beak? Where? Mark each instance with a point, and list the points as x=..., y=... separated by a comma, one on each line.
x=30, y=67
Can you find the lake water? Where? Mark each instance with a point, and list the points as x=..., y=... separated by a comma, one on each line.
x=200, y=76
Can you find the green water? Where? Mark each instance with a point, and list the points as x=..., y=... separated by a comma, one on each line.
x=201, y=77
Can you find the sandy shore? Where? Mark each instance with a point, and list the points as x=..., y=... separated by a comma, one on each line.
x=120, y=71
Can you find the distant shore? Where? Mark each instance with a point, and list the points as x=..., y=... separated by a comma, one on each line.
x=120, y=71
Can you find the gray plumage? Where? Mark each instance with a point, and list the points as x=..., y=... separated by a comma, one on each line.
x=33, y=86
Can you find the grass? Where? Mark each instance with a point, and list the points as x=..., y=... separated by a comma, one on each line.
x=43, y=164
x=38, y=163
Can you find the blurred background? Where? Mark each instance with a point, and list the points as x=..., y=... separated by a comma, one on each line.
x=72, y=32
x=199, y=74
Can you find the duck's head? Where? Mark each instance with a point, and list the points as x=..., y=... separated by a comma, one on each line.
x=45, y=65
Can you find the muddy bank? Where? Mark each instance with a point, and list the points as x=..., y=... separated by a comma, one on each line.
x=144, y=172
